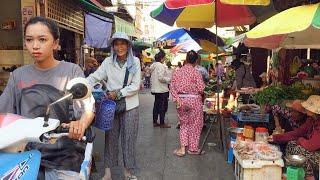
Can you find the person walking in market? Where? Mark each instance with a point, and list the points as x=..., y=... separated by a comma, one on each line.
x=115, y=70
x=203, y=71
x=187, y=86
x=305, y=139
x=160, y=89
x=244, y=76
x=147, y=76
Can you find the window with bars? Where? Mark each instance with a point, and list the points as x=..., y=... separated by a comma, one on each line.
x=67, y=13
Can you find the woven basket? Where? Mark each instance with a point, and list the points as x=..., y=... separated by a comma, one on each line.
x=105, y=115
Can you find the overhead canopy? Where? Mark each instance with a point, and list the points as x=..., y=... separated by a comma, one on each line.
x=97, y=30
x=297, y=27
x=201, y=14
x=194, y=39
x=86, y=4
x=247, y=2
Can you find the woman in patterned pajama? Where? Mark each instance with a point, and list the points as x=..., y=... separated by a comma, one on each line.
x=186, y=88
x=125, y=125
x=305, y=139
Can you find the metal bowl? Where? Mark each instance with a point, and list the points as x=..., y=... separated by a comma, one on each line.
x=234, y=131
x=295, y=160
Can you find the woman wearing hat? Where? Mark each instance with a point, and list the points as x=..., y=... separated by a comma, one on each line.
x=305, y=139
x=292, y=116
x=113, y=70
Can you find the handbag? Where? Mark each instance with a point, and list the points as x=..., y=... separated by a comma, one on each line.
x=121, y=103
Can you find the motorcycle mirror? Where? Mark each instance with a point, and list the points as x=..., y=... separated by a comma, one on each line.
x=77, y=88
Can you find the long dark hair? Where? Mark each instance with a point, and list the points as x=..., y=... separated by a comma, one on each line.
x=158, y=57
x=192, y=57
x=52, y=26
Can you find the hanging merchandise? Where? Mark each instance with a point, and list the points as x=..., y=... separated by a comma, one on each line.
x=295, y=66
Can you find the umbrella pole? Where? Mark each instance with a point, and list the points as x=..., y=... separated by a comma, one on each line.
x=219, y=81
x=218, y=114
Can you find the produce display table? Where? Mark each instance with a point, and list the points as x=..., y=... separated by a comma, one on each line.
x=257, y=169
x=314, y=82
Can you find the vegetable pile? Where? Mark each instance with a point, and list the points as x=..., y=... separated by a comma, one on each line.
x=277, y=94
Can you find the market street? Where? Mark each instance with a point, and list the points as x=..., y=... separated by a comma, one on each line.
x=155, y=156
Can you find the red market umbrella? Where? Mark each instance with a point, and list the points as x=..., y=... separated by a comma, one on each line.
x=201, y=14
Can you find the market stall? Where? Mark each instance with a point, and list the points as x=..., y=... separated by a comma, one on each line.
x=295, y=82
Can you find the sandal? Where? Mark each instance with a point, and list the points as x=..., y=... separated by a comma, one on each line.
x=196, y=152
x=131, y=177
x=179, y=154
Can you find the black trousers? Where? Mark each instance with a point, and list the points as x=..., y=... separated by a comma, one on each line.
x=160, y=106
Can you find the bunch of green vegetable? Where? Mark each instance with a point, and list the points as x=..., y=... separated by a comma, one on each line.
x=212, y=86
x=277, y=94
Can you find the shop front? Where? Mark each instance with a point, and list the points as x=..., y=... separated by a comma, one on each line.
x=70, y=18
x=11, y=33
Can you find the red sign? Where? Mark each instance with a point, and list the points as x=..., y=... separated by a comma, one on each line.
x=27, y=13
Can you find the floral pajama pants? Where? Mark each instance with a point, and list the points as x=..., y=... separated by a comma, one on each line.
x=190, y=115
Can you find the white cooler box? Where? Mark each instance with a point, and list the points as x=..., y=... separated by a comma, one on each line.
x=257, y=169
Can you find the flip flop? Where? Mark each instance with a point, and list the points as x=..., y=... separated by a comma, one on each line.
x=196, y=152
x=177, y=153
x=131, y=177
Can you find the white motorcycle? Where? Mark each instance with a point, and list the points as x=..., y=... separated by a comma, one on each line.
x=16, y=131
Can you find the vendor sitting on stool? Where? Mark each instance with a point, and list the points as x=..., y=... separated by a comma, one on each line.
x=306, y=139
x=292, y=116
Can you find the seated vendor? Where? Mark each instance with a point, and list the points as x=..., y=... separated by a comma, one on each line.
x=305, y=139
x=292, y=116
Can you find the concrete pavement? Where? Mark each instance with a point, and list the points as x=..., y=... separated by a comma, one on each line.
x=155, y=152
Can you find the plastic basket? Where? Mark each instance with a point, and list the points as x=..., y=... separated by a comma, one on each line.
x=105, y=115
x=98, y=96
x=253, y=117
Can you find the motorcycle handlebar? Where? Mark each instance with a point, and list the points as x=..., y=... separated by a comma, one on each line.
x=89, y=134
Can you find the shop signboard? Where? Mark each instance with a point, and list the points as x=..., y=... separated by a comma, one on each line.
x=27, y=13
x=166, y=43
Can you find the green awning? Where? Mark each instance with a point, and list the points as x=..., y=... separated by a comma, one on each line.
x=124, y=26
x=86, y=4
x=140, y=43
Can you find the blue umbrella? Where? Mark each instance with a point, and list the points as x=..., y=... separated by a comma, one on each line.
x=194, y=39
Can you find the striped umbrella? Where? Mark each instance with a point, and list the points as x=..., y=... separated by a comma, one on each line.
x=201, y=14
x=247, y=2
x=297, y=27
